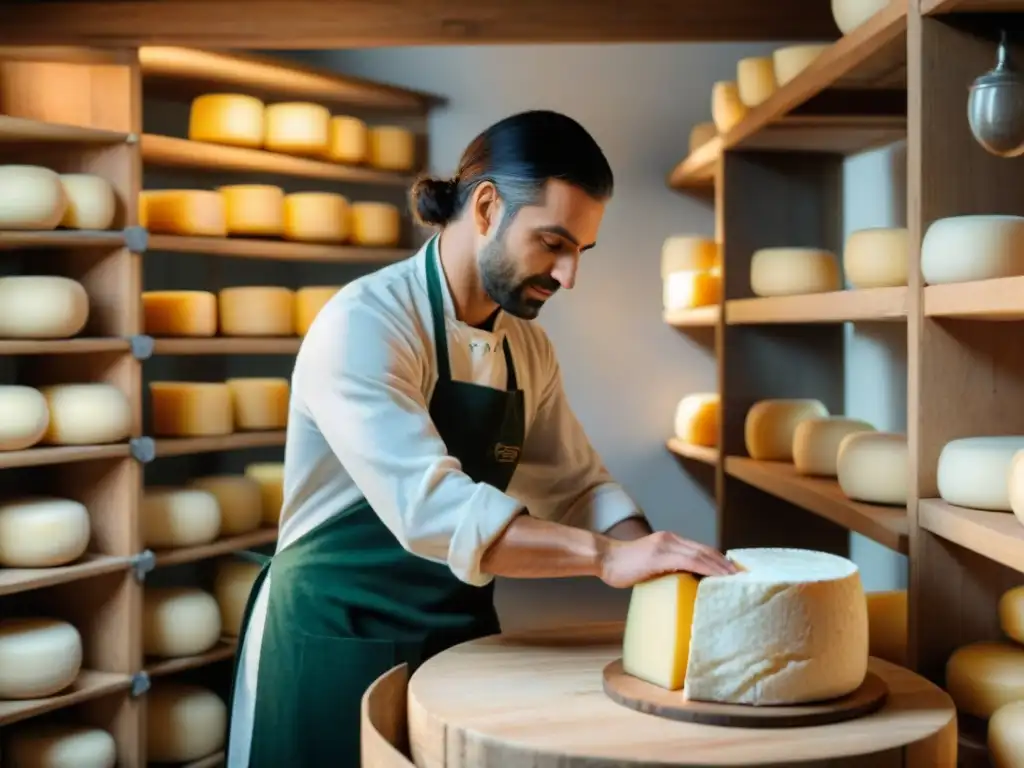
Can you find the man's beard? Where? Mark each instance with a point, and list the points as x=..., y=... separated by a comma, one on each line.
x=506, y=289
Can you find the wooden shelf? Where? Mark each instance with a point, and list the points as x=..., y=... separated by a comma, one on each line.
x=13, y=580
x=61, y=238
x=171, y=152
x=692, y=318
x=62, y=346
x=693, y=452
x=235, y=442
x=971, y=6
x=281, y=250
x=880, y=304
x=225, y=546
x=89, y=685
x=63, y=454
x=1000, y=299
x=886, y=525
x=999, y=536
x=225, y=649
x=18, y=129
x=213, y=761
x=227, y=346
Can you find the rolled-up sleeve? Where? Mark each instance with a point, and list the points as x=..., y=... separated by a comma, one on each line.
x=361, y=385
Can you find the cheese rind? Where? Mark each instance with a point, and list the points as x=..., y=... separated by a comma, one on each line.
x=257, y=311
x=259, y=403
x=816, y=443
x=191, y=409
x=392, y=148
x=92, y=203
x=31, y=198
x=696, y=421
x=231, y=586
x=349, y=140
x=872, y=467
x=981, y=677
x=270, y=477
x=39, y=657
x=1005, y=737
x=178, y=517
x=42, y=532
x=319, y=217
x=755, y=78
x=297, y=128
x=179, y=621
x=86, y=414
x=253, y=210
x=770, y=424
x=876, y=258
x=180, y=313
x=227, y=118
x=689, y=253
x=656, y=642
x=791, y=60
x=189, y=212
x=57, y=745
x=308, y=303
x=24, y=417
x=974, y=471
x=1011, y=613
x=793, y=271
x=238, y=499
x=727, y=110
x=183, y=722
x=689, y=290
x=375, y=224
x=887, y=625
x=850, y=14
x=42, y=307
x=996, y=245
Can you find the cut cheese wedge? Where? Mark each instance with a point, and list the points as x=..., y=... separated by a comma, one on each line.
x=656, y=643
x=187, y=212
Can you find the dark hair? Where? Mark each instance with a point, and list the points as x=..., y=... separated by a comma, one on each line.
x=519, y=155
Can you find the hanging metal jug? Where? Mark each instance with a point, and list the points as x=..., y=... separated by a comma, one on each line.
x=995, y=107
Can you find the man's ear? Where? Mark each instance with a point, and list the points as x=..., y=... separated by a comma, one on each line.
x=486, y=208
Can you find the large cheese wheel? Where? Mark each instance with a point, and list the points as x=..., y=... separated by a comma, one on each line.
x=873, y=466
x=24, y=417
x=1015, y=485
x=981, y=677
x=1005, y=736
x=701, y=134
x=297, y=128
x=179, y=621
x=375, y=224
x=791, y=60
x=191, y=409
x=996, y=245
x=974, y=471
x=876, y=258
x=59, y=745
x=38, y=657
x=186, y=212
x=1011, y=613
x=42, y=532
x=179, y=517
x=755, y=79
x=180, y=313
x=86, y=414
x=42, y=307
x=696, y=253
x=350, y=142
x=92, y=203
x=232, y=586
x=257, y=311
x=727, y=110
x=253, y=210
x=31, y=197
x=270, y=477
x=688, y=290
x=227, y=118
x=183, y=722
x=697, y=418
x=850, y=14
x=259, y=403
x=770, y=424
x=816, y=443
x=239, y=501
x=316, y=217
x=793, y=271
x=392, y=148
x=308, y=303
x=887, y=625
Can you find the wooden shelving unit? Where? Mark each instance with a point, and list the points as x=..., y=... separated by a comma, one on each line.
x=101, y=593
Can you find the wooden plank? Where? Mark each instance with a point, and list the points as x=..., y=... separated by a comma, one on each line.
x=999, y=536
x=929, y=7
x=881, y=304
x=258, y=538
x=699, y=317
x=283, y=250
x=694, y=452
x=1001, y=299
x=284, y=345
x=19, y=129
x=184, y=446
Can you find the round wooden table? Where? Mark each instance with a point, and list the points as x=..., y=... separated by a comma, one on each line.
x=535, y=700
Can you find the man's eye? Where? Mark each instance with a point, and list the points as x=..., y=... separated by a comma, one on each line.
x=553, y=245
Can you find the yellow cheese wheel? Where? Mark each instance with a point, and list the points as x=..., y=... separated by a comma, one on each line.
x=58, y=745
x=1011, y=613
x=42, y=532
x=227, y=118
x=816, y=443
x=1006, y=736
x=770, y=425
x=850, y=14
x=392, y=148
x=701, y=134
x=190, y=409
x=755, y=80
x=231, y=586
x=727, y=110
x=887, y=625
x=793, y=271
x=876, y=258
x=42, y=307
x=696, y=419
x=31, y=197
x=259, y=403
x=690, y=289
x=257, y=311
x=791, y=60
x=39, y=657
x=308, y=303
x=92, y=203
x=180, y=313
x=86, y=414
x=178, y=517
x=689, y=253
x=183, y=722
x=297, y=128
x=375, y=224
x=253, y=209
x=239, y=500
x=873, y=466
x=24, y=417
x=349, y=140
x=981, y=677
x=316, y=217
x=179, y=621
x=270, y=477
x=186, y=212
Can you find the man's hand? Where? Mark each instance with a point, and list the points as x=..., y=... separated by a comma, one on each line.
x=624, y=564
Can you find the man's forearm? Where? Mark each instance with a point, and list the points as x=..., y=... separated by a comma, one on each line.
x=630, y=529
x=536, y=549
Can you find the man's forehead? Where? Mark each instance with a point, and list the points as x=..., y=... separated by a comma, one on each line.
x=567, y=211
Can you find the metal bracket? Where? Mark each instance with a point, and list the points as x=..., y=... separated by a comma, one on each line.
x=143, y=563
x=141, y=346
x=143, y=449
x=140, y=684
x=136, y=239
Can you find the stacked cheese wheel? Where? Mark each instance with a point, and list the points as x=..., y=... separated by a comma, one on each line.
x=690, y=272
x=33, y=197
x=39, y=657
x=300, y=128
x=184, y=722
x=996, y=245
x=35, y=744
x=205, y=409
x=984, y=473
x=42, y=307
x=63, y=414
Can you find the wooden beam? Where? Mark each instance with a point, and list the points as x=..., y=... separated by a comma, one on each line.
x=318, y=24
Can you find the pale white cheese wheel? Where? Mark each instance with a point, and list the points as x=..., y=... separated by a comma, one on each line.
x=31, y=197
x=179, y=621
x=375, y=224
x=793, y=271
x=1015, y=486
x=42, y=307
x=963, y=248
x=92, y=203
x=257, y=311
x=253, y=210
x=770, y=424
x=239, y=500
x=179, y=517
x=816, y=443
x=296, y=127
x=183, y=722
x=727, y=110
x=319, y=217
x=38, y=657
x=42, y=532
x=392, y=148
x=86, y=414
x=231, y=587
x=697, y=418
x=24, y=417
x=873, y=466
x=1006, y=736
x=259, y=403
x=755, y=79
x=684, y=253
x=57, y=745
x=1011, y=613
x=349, y=140
x=974, y=471
x=270, y=478
x=227, y=118
x=981, y=677
x=876, y=258
x=850, y=14
x=701, y=134
x=791, y=60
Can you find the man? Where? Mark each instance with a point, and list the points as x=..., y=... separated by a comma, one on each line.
x=431, y=448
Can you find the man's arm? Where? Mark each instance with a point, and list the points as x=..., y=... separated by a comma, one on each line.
x=630, y=529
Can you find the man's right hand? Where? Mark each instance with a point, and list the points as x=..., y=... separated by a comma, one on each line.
x=625, y=563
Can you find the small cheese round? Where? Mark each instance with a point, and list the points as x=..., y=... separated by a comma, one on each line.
x=688, y=290
x=689, y=253
x=257, y=311
x=180, y=313
x=260, y=403
x=770, y=424
x=755, y=79
x=42, y=307
x=57, y=745
x=727, y=110
x=321, y=217
x=995, y=243
x=86, y=414
x=38, y=657
x=270, y=477
x=227, y=118
x=42, y=532
x=1011, y=613
x=350, y=142
x=701, y=134
x=308, y=303
x=24, y=417
x=375, y=224
x=239, y=500
x=850, y=14
x=178, y=517
x=183, y=722
x=1006, y=736
x=793, y=271
x=187, y=212
x=887, y=625
x=92, y=203
x=983, y=676
x=31, y=197
x=179, y=621
x=791, y=60
x=816, y=443
x=392, y=148
x=298, y=128
x=190, y=408
x=232, y=586
x=872, y=467
x=974, y=471
x=1015, y=485
x=876, y=258
x=253, y=210
x=697, y=417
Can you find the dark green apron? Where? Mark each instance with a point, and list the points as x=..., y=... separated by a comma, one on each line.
x=347, y=602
